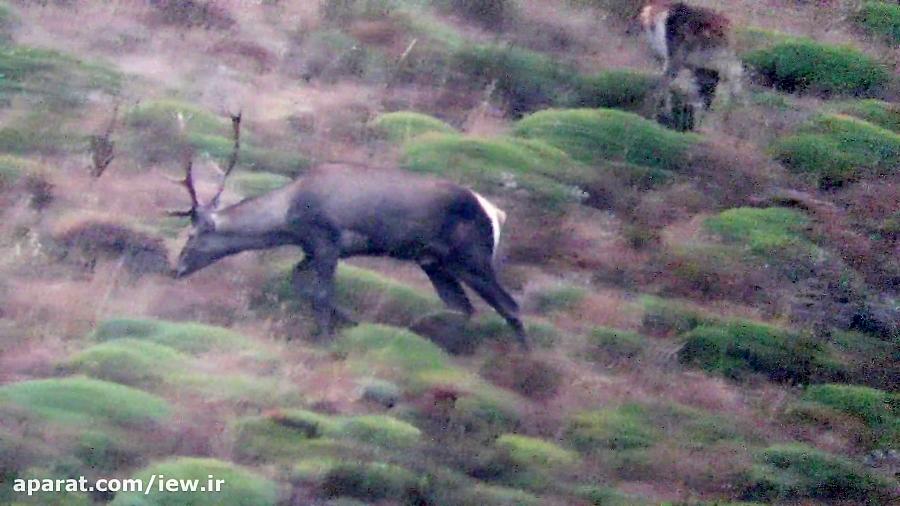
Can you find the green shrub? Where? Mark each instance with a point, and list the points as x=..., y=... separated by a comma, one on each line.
x=155, y=137
x=772, y=231
x=13, y=169
x=369, y=481
x=491, y=164
x=614, y=89
x=84, y=401
x=879, y=410
x=485, y=415
x=186, y=337
x=363, y=291
x=667, y=317
x=836, y=148
x=526, y=80
x=395, y=302
x=528, y=451
x=606, y=496
x=803, y=65
x=401, y=126
x=626, y=427
x=616, y=344
x=394, y=348
x=877, y=112
x=880, y=18
x=52, y=79
x=128, y=361
x=253, y=184
x=39, y=132
x=384, y=393
x=281, y=436
x=794, y=471
x=240, y=487
x=493, y=495
x=738, y=347
x=748, y=39
x=559, y=298
x=380, y=430
x=595, y=136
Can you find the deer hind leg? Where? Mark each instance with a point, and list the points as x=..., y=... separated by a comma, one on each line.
x=484, y=282
x=447, y=287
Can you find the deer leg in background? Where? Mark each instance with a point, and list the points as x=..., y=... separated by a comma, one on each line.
x=301, y=278
x=323, y=266
x=447, y=287
x=485, y=283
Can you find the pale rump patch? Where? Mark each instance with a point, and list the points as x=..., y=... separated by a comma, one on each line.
x=496, y=215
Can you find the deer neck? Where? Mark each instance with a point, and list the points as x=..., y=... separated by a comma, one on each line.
x=266, y=214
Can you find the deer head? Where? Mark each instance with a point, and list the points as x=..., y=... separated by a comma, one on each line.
x=205, y=244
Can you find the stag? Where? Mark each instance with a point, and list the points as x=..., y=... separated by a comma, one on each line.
x=340, y=210
x=695, y=41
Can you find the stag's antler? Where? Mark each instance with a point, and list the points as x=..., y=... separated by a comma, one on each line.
x=188, y=180
x=232, y=161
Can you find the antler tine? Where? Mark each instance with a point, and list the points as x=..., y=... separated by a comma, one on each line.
x=232, y=160
x=188, y=180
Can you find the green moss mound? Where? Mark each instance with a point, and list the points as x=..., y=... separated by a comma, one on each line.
x=241, y=487
x=877, y=112
x=880, y=18
x=372, y=481
x=616, y=344
x=395, y=302
x=395, y=348
x=834, y=149
x=878, y=410
x=14, y=168
x=78, y=400
x=625, y=427
x=739, y=347
x=401, y=126
x=154, y=136
x=668, y=317
x=559, y=298
x=491, y=164
x=128, y=361
x=525, y=80
x=51, y=78
x=595, y=136
x=380, y=430
x=763, y=231
x=185, y=337
x=792, y=471
x=528, y=451
x=607, y=496
x=362, y=291
x=803, y=65
x=284, y=435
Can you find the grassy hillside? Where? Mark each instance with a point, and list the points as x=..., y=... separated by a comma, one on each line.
x=714, y=314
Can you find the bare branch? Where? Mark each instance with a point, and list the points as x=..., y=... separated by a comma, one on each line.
x=102, y=146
